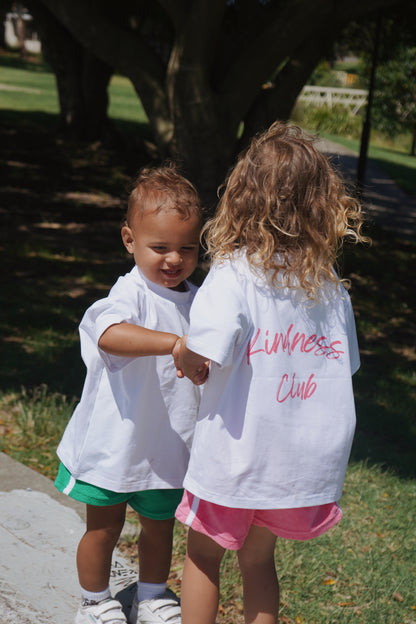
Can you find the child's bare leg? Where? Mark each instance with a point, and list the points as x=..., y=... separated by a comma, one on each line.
x=260, y=584
x=200, y=584
x=96, y=547
x=155, y=549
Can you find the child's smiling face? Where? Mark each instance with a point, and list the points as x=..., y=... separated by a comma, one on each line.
x=164, y=245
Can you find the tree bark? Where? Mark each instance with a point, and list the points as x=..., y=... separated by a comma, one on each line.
x=82, y=79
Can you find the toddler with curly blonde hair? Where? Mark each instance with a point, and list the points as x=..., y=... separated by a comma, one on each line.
x=277, y=416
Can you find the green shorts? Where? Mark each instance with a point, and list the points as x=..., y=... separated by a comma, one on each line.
x=154, y=504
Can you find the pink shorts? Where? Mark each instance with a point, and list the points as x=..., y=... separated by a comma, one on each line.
x=229, y=526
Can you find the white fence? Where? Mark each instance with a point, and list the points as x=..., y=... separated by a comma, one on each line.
x=18, y=32
x=351, y=98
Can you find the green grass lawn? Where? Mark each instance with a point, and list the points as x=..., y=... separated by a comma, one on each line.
x=61, y=250
x=31, y=87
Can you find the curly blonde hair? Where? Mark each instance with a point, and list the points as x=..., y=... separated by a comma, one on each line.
x=287, y=209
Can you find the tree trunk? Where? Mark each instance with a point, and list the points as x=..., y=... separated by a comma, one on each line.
x=82, y=79
x=95, y=79
x=200, y=139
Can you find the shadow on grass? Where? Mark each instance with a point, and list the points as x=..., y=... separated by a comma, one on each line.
x=15, y=61
x=384, y=298
x=44, y=299
x=61, y=206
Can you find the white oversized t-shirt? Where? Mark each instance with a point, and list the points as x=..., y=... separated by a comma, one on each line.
x=277, y=416
x=132, y=429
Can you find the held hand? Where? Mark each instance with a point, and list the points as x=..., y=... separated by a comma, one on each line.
x=201, y=374
x=189, y=364
x=176, y=353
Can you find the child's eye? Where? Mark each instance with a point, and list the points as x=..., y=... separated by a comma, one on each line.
x=188, y=249
x=158, y=248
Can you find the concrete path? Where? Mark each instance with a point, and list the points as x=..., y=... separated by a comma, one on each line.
x=39, y=532
x=40, y=528
x=385, y=204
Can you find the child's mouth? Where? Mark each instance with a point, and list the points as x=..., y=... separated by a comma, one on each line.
x=172, y=272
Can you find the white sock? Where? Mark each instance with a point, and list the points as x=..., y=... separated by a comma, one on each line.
x=95, y=596
x=147, y=591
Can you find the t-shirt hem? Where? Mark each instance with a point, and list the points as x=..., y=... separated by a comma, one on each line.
x=121, y=486
x=271, y=502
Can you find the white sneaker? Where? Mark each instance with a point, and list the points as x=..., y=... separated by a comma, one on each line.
x=107, y=611
x=163, y=609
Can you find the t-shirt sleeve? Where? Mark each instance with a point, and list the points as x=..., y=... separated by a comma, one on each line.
x=219, y=318
x=99, y=317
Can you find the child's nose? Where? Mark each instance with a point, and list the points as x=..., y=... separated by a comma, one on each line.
x=174, y=257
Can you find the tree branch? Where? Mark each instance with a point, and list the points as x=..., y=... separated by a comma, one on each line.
x=276, y=37
x=277, y=101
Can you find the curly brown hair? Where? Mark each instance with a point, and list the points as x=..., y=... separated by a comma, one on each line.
x=163, y=188
x=287, y=208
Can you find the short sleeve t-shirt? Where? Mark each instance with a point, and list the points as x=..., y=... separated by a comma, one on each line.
x=277, y=415
x=132, y=429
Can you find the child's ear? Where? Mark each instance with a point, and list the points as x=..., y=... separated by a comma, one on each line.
x=128, y=239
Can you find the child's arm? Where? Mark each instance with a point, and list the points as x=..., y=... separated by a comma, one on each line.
x=128, y=340
x=190, y=364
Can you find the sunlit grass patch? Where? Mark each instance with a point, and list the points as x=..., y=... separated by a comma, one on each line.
x=363, y=569
x=26, y=90
x=31, y=426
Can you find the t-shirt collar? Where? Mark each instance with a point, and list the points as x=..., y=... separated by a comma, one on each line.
x=176, y=296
